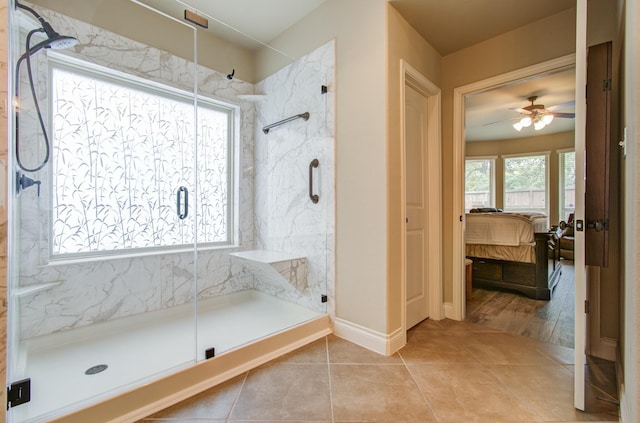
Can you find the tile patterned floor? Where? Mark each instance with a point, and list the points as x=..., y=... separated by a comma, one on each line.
x=449, y=371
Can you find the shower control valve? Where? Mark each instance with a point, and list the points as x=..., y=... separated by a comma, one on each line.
x=23, y=182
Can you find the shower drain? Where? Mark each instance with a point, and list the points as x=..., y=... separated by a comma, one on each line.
x=96, y=369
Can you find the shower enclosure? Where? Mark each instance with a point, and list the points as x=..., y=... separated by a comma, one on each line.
x=154, y=224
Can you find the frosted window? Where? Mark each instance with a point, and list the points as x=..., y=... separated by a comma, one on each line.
x=120, y=153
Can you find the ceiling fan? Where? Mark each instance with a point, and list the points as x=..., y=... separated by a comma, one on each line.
x=540, y=116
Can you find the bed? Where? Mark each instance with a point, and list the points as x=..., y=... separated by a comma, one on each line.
x=513, y=251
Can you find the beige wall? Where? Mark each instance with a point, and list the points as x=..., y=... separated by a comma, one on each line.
x=361, y=156
x=404, y=44
x=547, y=143
x=555, y=37
x=137, y=23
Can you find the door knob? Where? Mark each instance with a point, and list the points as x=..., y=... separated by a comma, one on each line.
x=598, y=225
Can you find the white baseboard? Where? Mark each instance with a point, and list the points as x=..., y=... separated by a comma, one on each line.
x=372, y=340
x=448, y=311
x=606, y=349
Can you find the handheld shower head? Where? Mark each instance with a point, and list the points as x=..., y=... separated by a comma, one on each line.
x=54, y=41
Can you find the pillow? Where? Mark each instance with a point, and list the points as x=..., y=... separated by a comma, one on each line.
x=485, y=210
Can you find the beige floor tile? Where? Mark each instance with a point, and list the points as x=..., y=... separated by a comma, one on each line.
x=316, y=352
x=498, y=348
x=549, y=391
x=285, y=391
x=214, y=404
x=345, y=352
x=380, y=393
x=427, y=325
x=469, y=393
x=436, y=347
x=455, y=325
x=558, y=353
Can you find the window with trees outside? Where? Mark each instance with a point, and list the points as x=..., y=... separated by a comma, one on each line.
x=121, y=149
x=525, y=183
x=479, y=183
x=567, y=162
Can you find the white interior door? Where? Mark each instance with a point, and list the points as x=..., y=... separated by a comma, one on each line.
x=579, y=244
x=416, y=108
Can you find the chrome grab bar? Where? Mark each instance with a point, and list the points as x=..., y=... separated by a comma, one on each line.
x=304, y=116
x=314, y=197
x=182, y=215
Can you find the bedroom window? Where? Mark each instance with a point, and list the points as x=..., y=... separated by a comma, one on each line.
x=479, y=182
x=525, y=183
x=567, y=179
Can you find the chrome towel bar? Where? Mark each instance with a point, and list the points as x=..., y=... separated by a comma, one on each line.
x=304, y=116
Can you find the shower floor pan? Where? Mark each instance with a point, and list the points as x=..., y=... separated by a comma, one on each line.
x=131, y=351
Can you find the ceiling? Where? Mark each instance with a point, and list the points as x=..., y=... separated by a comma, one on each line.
x=451, y=25
x=247, y=23
x=489, y=115
x=448, y=25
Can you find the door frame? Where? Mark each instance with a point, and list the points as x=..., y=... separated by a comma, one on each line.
x=458, y=309
x=412, y=77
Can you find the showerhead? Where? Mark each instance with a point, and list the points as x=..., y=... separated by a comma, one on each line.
x=54, y=40
x=62, y=42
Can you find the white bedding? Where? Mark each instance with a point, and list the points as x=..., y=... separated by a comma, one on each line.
x=508, y=229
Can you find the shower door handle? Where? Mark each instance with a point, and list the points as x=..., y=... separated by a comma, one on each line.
x=314, y=197
x=182, y=214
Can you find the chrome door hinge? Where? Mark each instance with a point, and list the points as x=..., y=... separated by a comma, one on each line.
x=586, y=306
x=18, y=393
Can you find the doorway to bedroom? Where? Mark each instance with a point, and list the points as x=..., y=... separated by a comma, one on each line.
x=519, y=194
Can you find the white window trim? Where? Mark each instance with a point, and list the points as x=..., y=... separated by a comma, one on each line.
x=63, y=61
x=561, y=188
x=546, y=155
x=492, y=176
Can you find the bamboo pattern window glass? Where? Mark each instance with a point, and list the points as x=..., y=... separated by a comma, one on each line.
x=121, y=149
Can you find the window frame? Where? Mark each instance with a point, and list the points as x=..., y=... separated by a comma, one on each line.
x=197, y=100
x=546, y=155
x=492, y=178
x=561, y=181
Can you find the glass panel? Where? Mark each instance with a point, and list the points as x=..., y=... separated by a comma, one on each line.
x=479, y=183
x=525, y=184
x=110, y=265
x=277, y=276
x=97, y=308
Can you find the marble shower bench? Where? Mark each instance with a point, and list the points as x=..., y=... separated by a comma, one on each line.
x=285, y=270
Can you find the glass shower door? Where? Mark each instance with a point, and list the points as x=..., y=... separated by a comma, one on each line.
x=101, y=237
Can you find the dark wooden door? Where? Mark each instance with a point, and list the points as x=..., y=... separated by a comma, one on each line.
x=597, y=153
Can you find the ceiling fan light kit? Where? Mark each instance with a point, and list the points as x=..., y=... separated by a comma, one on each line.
x=537, y=115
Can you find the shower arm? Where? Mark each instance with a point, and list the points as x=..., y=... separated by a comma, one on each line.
x=304, y=116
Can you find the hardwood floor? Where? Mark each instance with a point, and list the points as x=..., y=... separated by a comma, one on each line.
x=547, y=321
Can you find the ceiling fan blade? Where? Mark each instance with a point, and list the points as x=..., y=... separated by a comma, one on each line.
x=493, y=123
x=562, y=106
x=523, y=111
x=564, y=115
